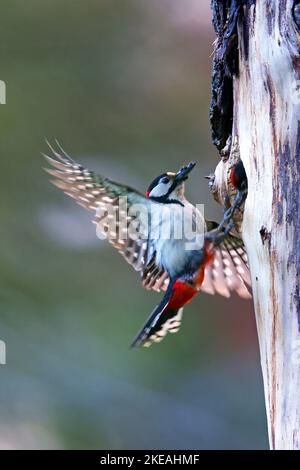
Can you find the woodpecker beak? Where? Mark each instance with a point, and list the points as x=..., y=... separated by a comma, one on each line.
x=184, y=172
x=210, y=177
x=211, y=180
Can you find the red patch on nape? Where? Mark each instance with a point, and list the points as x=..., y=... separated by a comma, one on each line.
x=234, y=178
x=147, y=194
x=182, y=294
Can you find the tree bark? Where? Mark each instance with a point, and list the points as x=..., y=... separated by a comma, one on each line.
x=266, y=125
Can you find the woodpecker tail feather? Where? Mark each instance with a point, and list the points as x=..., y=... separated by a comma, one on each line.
x=157, y=326
x=164, y=318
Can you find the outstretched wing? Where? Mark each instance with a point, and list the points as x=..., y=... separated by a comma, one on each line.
x=112, y=203
x=229, y=271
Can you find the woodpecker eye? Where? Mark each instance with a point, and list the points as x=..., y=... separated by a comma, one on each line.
x=165, y=180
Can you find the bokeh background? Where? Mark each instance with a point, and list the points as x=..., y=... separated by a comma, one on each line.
x=125, y=86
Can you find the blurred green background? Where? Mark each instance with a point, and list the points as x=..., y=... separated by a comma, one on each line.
x=125, y=86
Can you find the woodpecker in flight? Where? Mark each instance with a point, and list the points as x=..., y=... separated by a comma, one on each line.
x=215, y=261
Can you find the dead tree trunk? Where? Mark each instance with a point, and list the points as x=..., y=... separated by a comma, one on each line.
x=257, y=52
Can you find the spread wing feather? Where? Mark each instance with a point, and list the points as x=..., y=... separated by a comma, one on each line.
x=229, y=272
x=102, y=196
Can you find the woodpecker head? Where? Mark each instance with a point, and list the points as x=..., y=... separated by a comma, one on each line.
x=169, y=187
x=211, y=180
x=217, y=183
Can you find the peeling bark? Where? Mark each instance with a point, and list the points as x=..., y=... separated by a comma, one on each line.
x=266, y=125
x=225, y=15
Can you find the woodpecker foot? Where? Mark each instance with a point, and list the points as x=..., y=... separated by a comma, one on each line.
x=229, y=213
x=219, y=234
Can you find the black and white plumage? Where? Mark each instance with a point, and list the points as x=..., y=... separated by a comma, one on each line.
x=157, y=259
x=161, y=321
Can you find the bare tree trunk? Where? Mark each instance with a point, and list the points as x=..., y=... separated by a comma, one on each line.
x=266, y=125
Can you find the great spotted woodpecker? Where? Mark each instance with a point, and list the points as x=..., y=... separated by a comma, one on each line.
x=229, y=187
x=215, y=262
